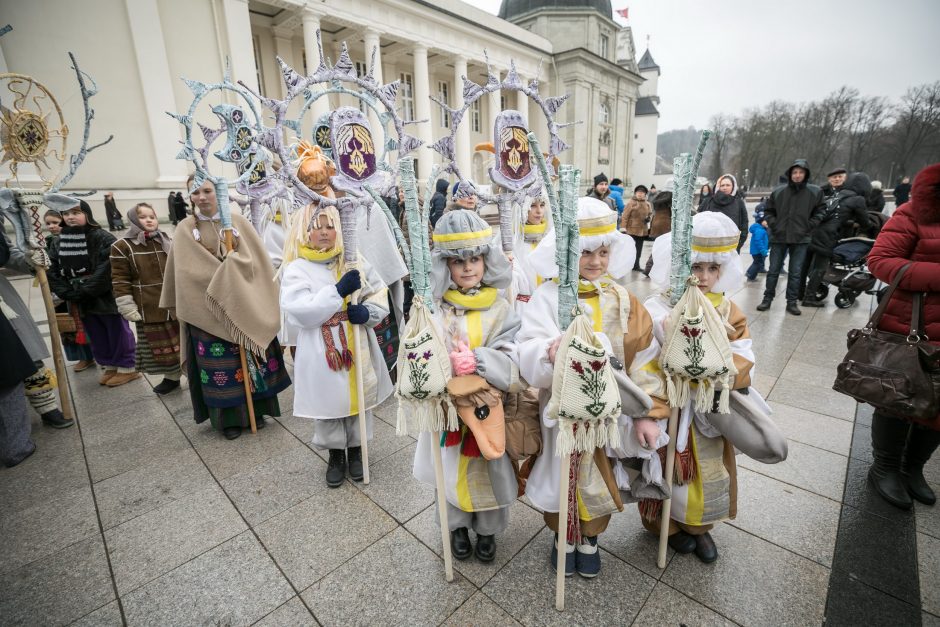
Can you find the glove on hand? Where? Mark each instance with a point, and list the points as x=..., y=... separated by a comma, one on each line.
x=463, y=361
x=128, y=308
x=38, y=259
x=358, y=314
x=348, y=283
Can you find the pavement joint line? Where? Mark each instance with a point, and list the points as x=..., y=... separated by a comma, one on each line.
x=94, y=496
x=802, y=487
x=251, y=529
x=779, y=546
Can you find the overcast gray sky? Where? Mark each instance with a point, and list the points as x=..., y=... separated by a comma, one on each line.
x=735, y=54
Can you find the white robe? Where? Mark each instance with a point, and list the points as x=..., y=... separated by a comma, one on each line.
x=524, y=278
x=309, y=298
x=498, y=326
x=539, y=329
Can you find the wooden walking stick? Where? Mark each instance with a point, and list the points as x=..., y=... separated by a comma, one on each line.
x=685, y=168
x=33, y=131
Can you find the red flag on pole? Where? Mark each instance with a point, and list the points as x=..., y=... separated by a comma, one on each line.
x=624, y=13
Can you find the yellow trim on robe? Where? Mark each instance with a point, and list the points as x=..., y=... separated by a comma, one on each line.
x=353, y=388
x=313, y=254
x=715, y=299
x=463, y=487
x=597, y=316
x=483, y=299
x=475, y=328
x=695, y=503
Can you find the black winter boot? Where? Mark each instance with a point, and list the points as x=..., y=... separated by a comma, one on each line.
x=921, y=443
x=354, y=458
x=765, y=304
x=793, y=309
x=888, y=436
x=336, y=468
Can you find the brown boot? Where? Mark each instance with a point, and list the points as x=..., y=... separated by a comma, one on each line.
x=84, y=364
x=121, y=378
x=106, y=376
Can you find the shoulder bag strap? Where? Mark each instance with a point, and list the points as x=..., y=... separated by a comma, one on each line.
x=879, y=312
x=917, y=317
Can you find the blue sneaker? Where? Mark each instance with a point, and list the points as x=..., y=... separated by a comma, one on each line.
x=588, y=557
x=569, y=558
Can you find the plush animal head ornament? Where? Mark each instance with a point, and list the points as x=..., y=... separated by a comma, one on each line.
x=597, y=226
x=462, y=234
x=315, y=169
x=715, y=239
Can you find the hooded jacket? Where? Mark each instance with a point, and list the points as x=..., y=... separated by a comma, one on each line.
x=843, y=210
x=732, y=205
x=793, y=209
x=438, y=201
x=912, y=235
x=662, y=214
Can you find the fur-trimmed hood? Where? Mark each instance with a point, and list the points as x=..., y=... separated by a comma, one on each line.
x=925, y=195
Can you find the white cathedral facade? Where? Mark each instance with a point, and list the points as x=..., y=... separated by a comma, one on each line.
x=138, y=50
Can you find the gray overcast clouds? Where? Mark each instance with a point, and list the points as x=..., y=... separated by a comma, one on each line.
x=734, y=54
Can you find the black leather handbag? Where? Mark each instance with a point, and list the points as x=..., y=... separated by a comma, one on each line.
x=898, y=374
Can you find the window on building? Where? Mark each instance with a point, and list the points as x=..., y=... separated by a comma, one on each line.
x=605, y=46
x=641, y=151
x=636, y=136
x=259, y=73
x=605, y=113
x=475, y=122
x=503, y=104
x=443, y=92
x=361, y=70
x=407, y=97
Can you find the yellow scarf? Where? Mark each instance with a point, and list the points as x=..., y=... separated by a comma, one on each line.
x=483, y=299
x=319, y=256
x=534, y=231
x=714, y=299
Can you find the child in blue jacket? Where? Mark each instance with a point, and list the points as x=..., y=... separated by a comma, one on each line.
x=760, y=243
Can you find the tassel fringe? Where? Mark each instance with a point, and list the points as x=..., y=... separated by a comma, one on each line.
x=585, y=436
x=432, y=415
x=238, y=336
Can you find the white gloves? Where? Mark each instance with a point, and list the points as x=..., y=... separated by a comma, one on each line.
x=128, y=308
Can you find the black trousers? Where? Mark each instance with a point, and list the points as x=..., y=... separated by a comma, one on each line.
x=638, y=240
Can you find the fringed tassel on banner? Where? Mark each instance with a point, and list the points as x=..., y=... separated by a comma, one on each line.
x=334, y=360
x=433, y=415
x=650, y=509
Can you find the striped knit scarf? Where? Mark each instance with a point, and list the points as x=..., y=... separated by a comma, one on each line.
x=335, y=359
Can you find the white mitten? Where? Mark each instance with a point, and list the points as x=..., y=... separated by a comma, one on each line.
x=128, y=308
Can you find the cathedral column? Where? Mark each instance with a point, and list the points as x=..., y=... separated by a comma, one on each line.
x=241, y=49
x=422, y=96
x=311, y=24
x=372, y=41
x=152, y=65
x=283, y=47
x=462, y=147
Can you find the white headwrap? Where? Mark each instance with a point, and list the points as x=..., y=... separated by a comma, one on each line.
x=714, y=240
x=598, y=227
x=461, y=234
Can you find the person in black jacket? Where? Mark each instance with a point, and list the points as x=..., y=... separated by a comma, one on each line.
x=902, y=191
x=438, y=201
x=179, y=206
x=876, y=198
x=726, y=200
x=834, y=182
x=80, y=272
x=848, y=206
x=792, y=212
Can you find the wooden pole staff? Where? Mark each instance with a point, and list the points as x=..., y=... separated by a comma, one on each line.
x=221, y=195
x=32, y=201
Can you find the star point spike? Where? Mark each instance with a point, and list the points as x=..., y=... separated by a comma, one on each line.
x=197, y=87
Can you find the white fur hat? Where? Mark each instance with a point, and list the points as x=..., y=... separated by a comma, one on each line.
x=715, y=239
x=598, y=227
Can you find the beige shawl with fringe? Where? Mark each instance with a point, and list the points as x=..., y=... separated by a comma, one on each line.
x=235, y=298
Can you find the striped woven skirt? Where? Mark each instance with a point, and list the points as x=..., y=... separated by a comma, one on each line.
x=158, y=347
x=216, y=381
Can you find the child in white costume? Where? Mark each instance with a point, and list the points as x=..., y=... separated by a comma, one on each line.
x=467, y=269
x=625, y=328
x=534, y=225
x=315, y=290
x=700, y=499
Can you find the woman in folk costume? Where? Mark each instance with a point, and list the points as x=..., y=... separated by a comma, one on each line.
x=700, y=499
x=622, y=324
x=138, y=265
x=315, y=297
x=468, y=268
x=80, y=273
x=535, y=225
x=222, y=306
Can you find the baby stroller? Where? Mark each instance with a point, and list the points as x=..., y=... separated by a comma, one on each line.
x=848, y=272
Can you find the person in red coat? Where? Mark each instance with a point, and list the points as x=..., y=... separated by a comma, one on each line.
x=901, y=445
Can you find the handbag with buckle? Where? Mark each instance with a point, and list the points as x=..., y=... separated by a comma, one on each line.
x=893, y=372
